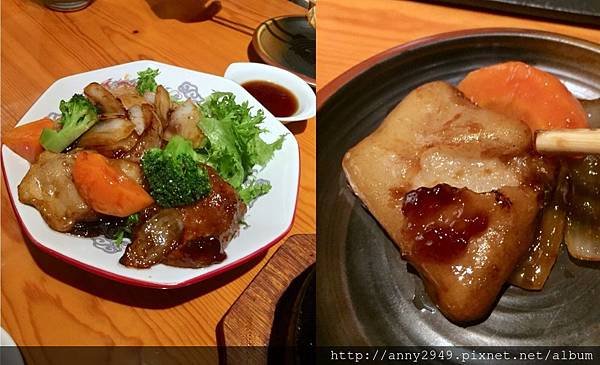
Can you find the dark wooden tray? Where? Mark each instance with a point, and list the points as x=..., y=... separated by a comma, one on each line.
x=249, y=321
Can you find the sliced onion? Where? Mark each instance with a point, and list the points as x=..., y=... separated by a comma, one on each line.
x=103, y=99
x=141, y=117
x=162, y=102
x=592, y=109
x=151, y=138
x=149, y=96
x=128, y=95
x=107, y=132
x=533, y=271
x=183, y=121
x=107, y=116
x=132, y=100
x=583, y=229
x=583, y=240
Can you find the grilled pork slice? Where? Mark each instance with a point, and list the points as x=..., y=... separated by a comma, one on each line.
x=154, y=239
x=49, y=187
x=436, y=136
x=190, y=236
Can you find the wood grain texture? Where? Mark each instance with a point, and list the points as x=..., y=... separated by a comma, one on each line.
x=351, y=31
x=250, y=318
x=249, y=321
x=48, y=302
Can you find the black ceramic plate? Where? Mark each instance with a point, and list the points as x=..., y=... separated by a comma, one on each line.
x=293, y=334
x=287, y=42
x=366, y=294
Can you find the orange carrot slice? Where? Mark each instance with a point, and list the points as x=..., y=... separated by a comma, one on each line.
x=106, y=189
x=25, y=140
x=526, y=93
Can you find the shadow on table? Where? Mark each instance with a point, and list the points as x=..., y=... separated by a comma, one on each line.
x=186, y=11
x=128, y=294
x=253, y=55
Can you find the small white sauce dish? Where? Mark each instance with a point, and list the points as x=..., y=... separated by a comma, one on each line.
x=242, y=72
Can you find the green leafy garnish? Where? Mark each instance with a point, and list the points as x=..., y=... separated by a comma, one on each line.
x=126, y=230
x=147, y=81
x=254, y=190
x=234, y=145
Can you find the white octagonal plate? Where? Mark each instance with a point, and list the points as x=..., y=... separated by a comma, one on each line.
x=268, y=219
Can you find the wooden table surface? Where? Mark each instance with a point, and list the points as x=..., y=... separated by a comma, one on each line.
x=351, y=31
x=48, y=302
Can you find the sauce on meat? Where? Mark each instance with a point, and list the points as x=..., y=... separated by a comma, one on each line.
x=438, y=223
x=277, y=99
x=203, y=251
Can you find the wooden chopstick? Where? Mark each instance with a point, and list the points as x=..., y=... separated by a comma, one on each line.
x=568, y=141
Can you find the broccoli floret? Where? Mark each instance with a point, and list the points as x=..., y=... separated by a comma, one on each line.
x=174, y=175
x=78, y=115
x=146, y=80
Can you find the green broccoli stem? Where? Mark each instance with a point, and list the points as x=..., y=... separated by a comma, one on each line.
x=54, y=141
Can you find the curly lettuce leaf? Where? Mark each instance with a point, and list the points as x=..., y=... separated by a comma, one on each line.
x=222, y=152
x=234, y=144
x=254, y=190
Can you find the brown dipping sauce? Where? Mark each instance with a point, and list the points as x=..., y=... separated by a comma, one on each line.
x=277, y=99
x=438, y=223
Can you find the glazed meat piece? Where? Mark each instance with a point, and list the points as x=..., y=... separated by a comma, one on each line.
x=192, y=236
x=436, y=136
x=154, y=239
x=209, y=225
x=465, y=245
x=48, y=187
x=131, y=169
